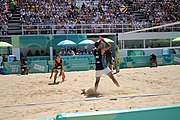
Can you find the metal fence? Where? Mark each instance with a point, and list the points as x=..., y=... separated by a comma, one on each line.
x=81, y=29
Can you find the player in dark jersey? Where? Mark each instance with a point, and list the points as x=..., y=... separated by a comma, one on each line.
x=58, y=66
x=101, y=67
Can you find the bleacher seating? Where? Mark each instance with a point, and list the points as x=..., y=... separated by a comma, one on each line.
x=66, y=14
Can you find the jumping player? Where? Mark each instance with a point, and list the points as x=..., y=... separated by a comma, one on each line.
x=58, y=66
x=101, y=68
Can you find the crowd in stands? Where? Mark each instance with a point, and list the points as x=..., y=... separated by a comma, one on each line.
x=8, y=7
x=4, y=16
x=71, y=52
x=66, y=14
x=159, y=11
x=62, y=52
x=69, y=14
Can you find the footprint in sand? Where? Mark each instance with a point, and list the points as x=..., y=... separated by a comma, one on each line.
x=124, y=91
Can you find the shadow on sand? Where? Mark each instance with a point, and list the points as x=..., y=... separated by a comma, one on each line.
x=54, y=83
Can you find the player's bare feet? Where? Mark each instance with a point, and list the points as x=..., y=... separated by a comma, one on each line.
x=56, y=83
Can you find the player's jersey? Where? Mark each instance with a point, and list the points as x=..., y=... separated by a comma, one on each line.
x=58, y=65
x=100, y=65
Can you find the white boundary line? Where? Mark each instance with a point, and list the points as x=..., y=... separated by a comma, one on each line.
x=89, y=99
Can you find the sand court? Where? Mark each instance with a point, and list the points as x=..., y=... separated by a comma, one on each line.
x=29, y=91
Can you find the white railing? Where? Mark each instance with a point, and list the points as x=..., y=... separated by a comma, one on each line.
x=89, y=28
x=84, y=29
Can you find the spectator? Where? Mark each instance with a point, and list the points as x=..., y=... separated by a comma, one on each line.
x=62, y=52
x=78, y=52
x=85, y=52
x=7, y=55
x=37, y=53
x=12, y=7
x=68, y=15
x=21, y=55
x=15, y=4
x=71, y=52
x=29, y=53
x=42, y=53
x=15, y=59
x=4, y=29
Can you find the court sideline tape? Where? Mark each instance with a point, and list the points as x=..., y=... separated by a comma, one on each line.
x=91, y=99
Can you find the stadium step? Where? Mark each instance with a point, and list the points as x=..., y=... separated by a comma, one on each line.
x=17, y=12
x=14, y=32
x=14, y=28
x=14, y=21
x=138, y=14
x=16, y=15
x=15, y=18
x=14, y=24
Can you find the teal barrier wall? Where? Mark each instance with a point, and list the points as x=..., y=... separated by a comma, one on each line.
x=11, y=68
x=38, y=66
x=38, y=58
x=144, y=61
x=157, y=113
x=176, y=59
x=135, y=52
x=42, y=64
x=82, y=62
x=73, y=65
x=77, y=63
x=90, y=58
x=15, y=67
x=131, y=62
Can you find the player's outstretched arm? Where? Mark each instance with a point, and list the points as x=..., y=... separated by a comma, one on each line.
x=108, y=46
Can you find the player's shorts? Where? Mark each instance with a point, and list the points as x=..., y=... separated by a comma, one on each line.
x=105, y=71
x=58, y=70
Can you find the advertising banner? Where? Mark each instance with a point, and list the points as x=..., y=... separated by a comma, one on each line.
x=135, y=52
x=73, y=65
x=77, y=65
x=131, y=62
x=11, y=68
x=38, y=66
x=176, y=59
x=144, y=61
